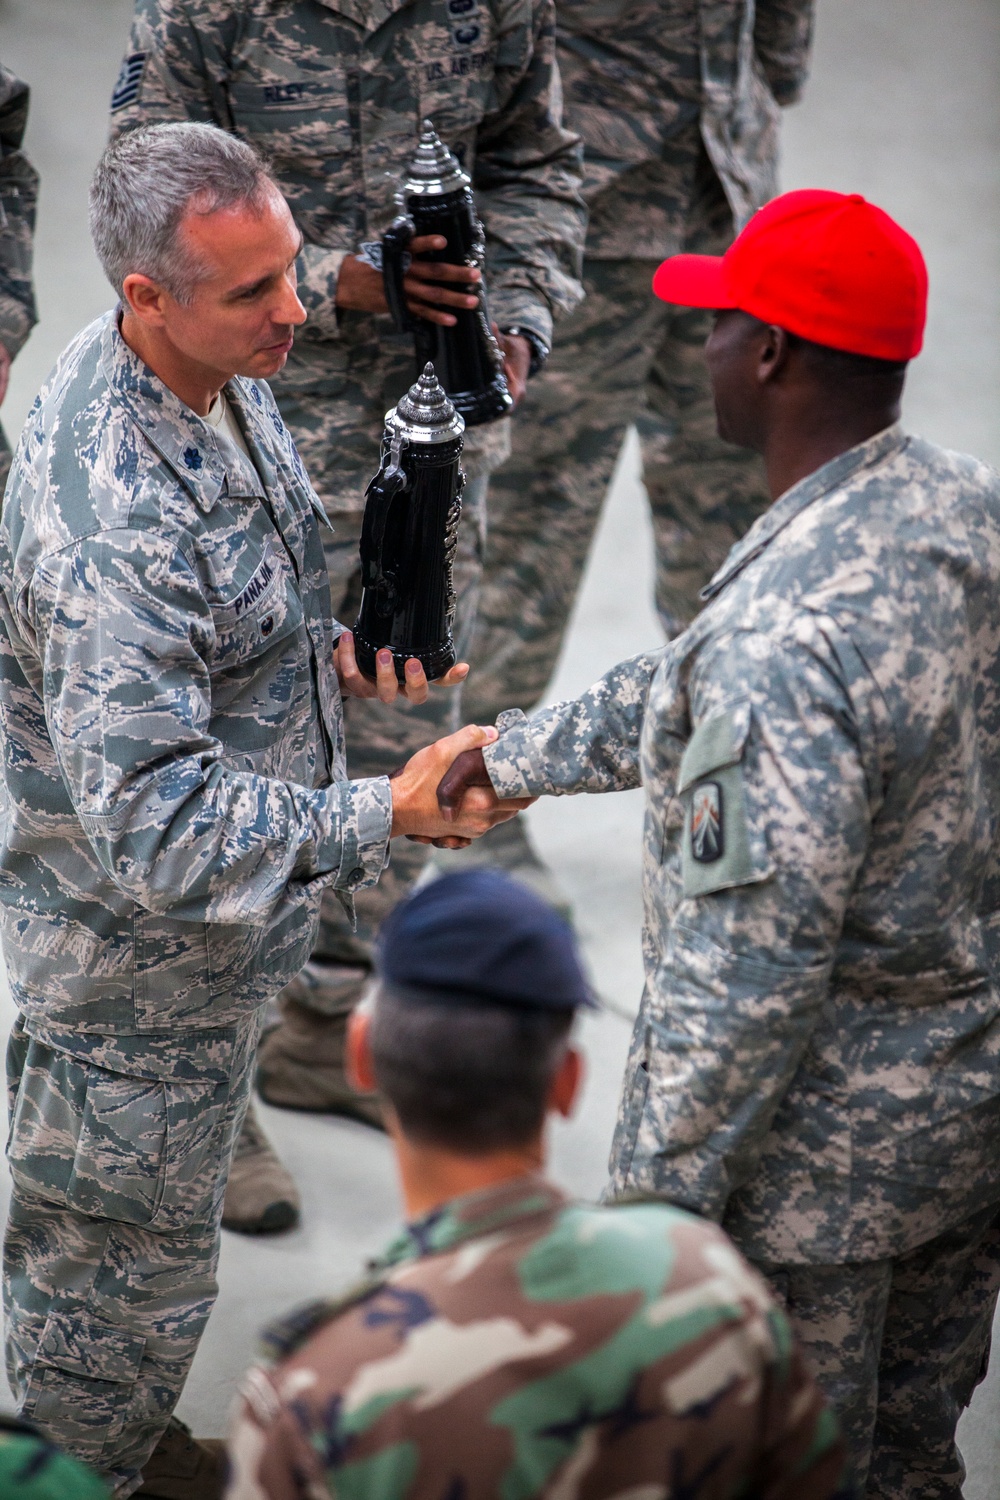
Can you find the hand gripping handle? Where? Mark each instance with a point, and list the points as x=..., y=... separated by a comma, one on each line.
x=395, y=264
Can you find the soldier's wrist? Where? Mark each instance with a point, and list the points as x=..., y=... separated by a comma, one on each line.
x=539, y=348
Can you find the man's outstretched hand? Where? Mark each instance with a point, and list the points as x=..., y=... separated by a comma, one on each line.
x=417, y=809
x=354, y=684
x=466, y=771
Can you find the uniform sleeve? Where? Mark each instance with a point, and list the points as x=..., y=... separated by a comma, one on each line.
x=590, y=744
x=173, y=68
x=18, y=200
x=125, y=633
x=528, y=177
x=751, y=894
x=783, y=39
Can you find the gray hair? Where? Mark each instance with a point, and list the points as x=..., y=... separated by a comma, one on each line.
x=145, y=184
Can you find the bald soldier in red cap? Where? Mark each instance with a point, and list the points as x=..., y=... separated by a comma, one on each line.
x=816, y=1061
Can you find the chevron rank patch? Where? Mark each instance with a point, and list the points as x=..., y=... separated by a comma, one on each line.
x=126, y=90
x=708, y=841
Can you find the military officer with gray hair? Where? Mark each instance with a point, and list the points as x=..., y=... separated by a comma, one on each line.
x=177, y=795
x=816, y=1060
x=18, y=198
x=334, y=93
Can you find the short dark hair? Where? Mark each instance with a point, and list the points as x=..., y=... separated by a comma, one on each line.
x=469, y=1078
x=860, y=375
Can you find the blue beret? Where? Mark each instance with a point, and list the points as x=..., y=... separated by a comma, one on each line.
x=478, y=935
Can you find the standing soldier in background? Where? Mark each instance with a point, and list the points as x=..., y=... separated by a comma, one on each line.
x=18, y=197
x=677, y=105
x=333, y=94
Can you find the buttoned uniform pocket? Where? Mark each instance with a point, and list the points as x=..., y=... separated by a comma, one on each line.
x=133, y=1150
x=719, y=847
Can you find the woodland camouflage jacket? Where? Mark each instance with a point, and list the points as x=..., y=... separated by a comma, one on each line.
x=514, y=1345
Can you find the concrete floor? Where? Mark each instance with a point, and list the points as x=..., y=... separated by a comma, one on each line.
x=903, y=107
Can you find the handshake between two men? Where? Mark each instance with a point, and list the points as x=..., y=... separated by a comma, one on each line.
x=443, y=794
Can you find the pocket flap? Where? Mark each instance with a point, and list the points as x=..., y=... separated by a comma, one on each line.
x=717, y=742
x=87, y=1346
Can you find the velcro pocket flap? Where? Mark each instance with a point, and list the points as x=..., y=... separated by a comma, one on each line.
x=720, y=849
x=90, y=1348
x=717, y=742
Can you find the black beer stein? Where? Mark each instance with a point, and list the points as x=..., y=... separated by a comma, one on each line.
x=409, y=534
x=437, y=199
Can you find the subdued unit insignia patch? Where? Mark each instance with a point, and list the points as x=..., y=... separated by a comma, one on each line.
x=707, y=832
x=126, y=89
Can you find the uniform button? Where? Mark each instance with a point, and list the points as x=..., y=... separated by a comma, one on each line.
x=267, y=625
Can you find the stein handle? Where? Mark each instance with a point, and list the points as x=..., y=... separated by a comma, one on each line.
x=381, y=492
x=395, y=264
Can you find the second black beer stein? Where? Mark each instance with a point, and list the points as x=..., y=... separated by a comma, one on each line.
x=437, y=199
x=409, y=535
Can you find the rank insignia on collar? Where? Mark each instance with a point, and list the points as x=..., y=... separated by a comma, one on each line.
x=707, y=837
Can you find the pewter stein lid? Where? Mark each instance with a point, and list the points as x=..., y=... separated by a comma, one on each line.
x=434, y=169
x=425, y=414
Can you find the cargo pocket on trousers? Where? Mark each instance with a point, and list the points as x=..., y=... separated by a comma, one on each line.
x=81, y=1380
x=719, y=849
x=133, y=1150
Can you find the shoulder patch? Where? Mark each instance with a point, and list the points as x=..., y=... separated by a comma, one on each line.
x=126, y=89
x=289, y=1333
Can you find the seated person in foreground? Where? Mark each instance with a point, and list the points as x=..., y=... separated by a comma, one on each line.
x=510, y=1341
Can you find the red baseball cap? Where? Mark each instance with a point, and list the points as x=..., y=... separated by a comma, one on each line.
x=827, y=266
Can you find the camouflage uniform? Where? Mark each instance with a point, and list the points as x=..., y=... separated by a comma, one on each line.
x=18, y=197
x=333, y=91
x=816, y=1061
x=676, y=106
x=177, y=800
x=31, y=1469
x=516, y=1344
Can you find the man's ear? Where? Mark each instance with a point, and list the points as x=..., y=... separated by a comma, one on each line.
x=566, y=1084
x=360, y=1070
x=144, y=298
x=772, y=356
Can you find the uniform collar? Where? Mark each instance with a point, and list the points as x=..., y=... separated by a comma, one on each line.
x=369, y=14
x=473, y=1216
x=188, y=444
x=867, y=455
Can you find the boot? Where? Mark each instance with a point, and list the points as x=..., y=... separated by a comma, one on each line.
x=261, y=1197
x=181, y=1467
x=300, y=1064
x=507, y=847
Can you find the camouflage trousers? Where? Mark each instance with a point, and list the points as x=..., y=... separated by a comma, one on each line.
x=380, y=738
x=621, y=357
x=899, y=1346
x=112, y=1239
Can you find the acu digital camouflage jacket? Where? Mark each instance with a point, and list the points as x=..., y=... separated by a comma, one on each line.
x=170, y=720
x=333, y=92
x=513, y=1344
x=816, y=1060
x=650, y=85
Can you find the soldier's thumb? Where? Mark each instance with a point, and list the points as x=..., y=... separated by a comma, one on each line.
x=470, y=737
